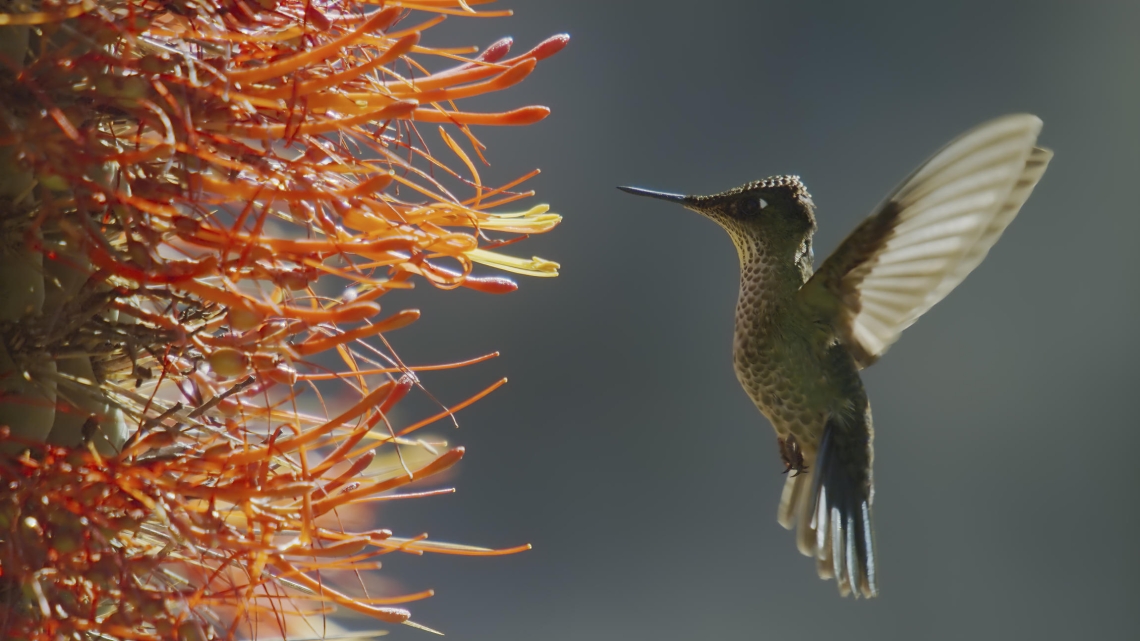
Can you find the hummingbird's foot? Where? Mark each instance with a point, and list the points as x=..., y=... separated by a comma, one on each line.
x=792, y=455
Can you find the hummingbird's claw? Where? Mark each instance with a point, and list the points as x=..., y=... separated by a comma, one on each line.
x=792, y=455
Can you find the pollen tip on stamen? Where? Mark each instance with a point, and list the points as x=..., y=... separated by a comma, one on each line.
x=551, y=46
x=525, y=115
x=496, y=50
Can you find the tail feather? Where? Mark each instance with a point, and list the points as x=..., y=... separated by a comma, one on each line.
x=829, y=505
x=794, y=490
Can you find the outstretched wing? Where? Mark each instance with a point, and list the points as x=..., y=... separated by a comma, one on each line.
x=928, y=235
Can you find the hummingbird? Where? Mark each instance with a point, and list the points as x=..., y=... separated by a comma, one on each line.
x=803, y=334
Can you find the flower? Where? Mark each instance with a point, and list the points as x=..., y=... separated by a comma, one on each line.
x=205, y=201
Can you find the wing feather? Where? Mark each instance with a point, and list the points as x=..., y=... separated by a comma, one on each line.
x=929, y=234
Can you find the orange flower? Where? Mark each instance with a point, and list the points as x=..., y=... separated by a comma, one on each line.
x=206, y=201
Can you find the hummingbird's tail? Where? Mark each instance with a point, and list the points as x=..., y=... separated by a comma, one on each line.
x=829, y=505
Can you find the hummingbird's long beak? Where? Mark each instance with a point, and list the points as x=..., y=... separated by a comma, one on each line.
x=660, y=195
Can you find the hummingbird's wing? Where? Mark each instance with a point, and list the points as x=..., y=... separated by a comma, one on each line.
x=928, y=235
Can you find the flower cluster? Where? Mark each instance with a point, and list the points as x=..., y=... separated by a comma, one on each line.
x=202, y=204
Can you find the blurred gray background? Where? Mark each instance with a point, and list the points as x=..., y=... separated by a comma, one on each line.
x=623, y=447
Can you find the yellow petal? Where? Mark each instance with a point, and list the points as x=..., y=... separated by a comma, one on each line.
x=532, y=221
x=533, y=266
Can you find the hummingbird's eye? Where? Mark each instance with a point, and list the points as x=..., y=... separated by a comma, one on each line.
x=763, y=203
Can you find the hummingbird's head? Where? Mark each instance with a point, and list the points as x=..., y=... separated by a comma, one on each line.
x=775, y=213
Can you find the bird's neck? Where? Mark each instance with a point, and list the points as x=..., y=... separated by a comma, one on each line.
x=770, y=276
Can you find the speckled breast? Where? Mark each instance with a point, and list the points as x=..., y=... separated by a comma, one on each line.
x=780, y=360
x=779, y=354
